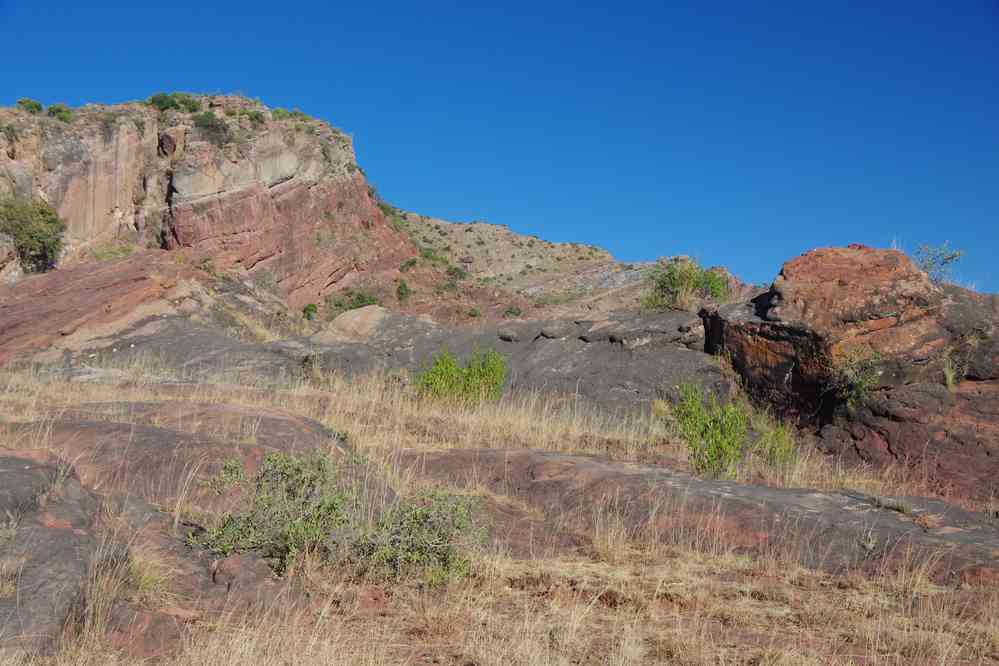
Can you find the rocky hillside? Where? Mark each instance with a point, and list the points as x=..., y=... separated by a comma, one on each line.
x=282, y=198
x=218, y=444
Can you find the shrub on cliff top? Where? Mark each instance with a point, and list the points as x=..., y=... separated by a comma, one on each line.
x=36, y=229
x=936, y=261
x=678, y=284
x=30, y=105
x=60, y=112
x=212, y=128
x=179, y=101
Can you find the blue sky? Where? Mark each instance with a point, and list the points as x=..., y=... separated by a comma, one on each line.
x=742, y=133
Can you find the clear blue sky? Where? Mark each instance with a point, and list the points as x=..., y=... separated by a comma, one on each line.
x=742, y=133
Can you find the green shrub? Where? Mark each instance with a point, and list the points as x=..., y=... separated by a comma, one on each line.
x=280, y=114
x=408, y=264
x=936, y=261
x=163, y=101
x=474, y=312
x=775, y=442
x=60, y=112
x=421, y=534
x=255, y=116
x=456, y=273
x=854, y=376
x=296, y=502
x=349, y=300
x=512, y=312
x=187, y=102
x=715, y=434
x=176, y=100
x=37, y=231
x=310, y=311
x=678, y=284
x=480, y=378
x=34, y=107
x=228, y=477
x=403, y=292
x=213, y=128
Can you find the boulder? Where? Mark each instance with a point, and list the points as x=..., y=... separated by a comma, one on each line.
x=929, y=353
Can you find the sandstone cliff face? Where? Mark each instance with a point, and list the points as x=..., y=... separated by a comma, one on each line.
x=934, y=396
x=283, y=198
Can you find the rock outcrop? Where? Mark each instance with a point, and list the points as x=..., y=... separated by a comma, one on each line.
x=838, y=531
x=930, y=396
x=283, y=197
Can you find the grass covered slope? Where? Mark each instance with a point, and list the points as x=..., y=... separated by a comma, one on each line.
x=532, y=587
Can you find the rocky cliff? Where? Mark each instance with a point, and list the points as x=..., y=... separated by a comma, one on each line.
x=283, y=198
x=917, y=360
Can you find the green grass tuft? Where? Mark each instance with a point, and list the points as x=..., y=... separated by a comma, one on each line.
x=679, y=284
x=480, y=378
x=715, y=434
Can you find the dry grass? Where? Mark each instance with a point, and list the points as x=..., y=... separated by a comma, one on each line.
x=638, y=596
x=383, y=415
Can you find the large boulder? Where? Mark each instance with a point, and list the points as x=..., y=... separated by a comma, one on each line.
x=928, y=351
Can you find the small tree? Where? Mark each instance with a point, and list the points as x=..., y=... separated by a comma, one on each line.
x=310, y=311
x=37, y=231
x=936, y=261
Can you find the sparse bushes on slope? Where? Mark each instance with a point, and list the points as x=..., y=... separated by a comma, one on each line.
x=296, y=502
x=349, y=300
x=417, y=535
x=480, y=378
x=299, y=504
x=37, y=231
x=680, y=283
x=729, y=440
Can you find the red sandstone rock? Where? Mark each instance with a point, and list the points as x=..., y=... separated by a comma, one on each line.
x=830, y=304
x=273, y=198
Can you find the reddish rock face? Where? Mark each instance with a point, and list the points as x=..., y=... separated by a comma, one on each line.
x=279, y=196
x=45, y=308
x=933, y=393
